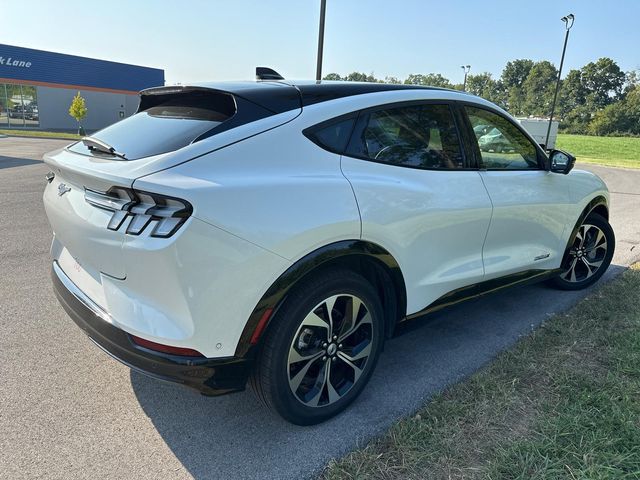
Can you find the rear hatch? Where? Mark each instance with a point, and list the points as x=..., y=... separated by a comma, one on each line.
x=173, y=125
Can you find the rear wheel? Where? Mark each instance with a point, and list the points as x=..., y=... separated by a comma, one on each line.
x=322, y=348
x=589, y=256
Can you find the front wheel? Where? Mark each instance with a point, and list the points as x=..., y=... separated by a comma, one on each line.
x=589, y=256
x=322, y=349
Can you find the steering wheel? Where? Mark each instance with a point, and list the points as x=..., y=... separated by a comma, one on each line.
x=394, y=151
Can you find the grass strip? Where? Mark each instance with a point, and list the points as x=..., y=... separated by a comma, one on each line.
x=563, y=403
x=39, y=134
x=609, y=151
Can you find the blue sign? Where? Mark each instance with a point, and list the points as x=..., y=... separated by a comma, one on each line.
x=26, y=64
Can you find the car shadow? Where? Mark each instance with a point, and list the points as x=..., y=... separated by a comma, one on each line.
x=10, y=162
x=235, y=437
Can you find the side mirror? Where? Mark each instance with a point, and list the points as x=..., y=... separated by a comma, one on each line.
x=561, y=162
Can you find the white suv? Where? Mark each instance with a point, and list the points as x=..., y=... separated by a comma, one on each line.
x=276, y=233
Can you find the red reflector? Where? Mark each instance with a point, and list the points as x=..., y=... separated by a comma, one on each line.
x=261, y=324
x=158, y=347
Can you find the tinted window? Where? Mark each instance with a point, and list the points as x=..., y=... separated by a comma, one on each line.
x=335, y=136
x=166, y=126
x=422, y=136
x=502, y=144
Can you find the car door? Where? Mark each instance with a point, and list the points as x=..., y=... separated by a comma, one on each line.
x=530, y=204
x=419, y=196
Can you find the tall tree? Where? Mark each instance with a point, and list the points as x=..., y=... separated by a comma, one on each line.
x=632, y=80
x=516, y=72
x=513, y=76
x=332, y=76
x=604, y=81
x=431, y=79
x=539, y=88
x=485, y=86
x=361, y=77
x=619, y=117
x=573, y=112
x=391, y=80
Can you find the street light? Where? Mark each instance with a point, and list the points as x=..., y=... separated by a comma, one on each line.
x=465, y=69
x=323, y=8
x=568, y=23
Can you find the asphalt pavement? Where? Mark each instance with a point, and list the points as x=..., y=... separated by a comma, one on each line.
x=67, y=410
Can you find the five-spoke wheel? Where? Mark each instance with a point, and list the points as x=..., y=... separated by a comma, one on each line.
x=589, y=254
x=322, y=348
x=330, y=350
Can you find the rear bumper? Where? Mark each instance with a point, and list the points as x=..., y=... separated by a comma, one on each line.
x=209, y=376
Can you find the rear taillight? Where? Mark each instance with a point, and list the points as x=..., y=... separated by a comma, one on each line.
x=141, y=210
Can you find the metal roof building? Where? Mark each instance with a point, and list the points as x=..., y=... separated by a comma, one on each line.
x=36, y=89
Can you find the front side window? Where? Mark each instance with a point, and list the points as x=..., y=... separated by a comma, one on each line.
x=419, y=136
x=502, y=145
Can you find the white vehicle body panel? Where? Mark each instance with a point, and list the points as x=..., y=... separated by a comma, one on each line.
x=277, y=200
x=81, y=228
x=530, y=217
x=433, y=222
x=188, y=292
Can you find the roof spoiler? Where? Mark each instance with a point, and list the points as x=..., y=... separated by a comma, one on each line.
x=265, y=73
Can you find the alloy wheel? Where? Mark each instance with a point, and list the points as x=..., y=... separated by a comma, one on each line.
x=330, y=350
x=587, y=254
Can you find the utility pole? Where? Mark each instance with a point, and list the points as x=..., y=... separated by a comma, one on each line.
x=568, y=23
x=323, y=8
x=465, y=69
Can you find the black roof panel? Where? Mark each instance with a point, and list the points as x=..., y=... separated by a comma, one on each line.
x=285, y=95
x=316, y=92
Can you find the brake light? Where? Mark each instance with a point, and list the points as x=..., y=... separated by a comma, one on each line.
x=158, y=347
x=165, y=214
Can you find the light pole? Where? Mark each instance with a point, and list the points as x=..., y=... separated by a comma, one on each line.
x=568, y=23
x=465, y=69
x=323, y=8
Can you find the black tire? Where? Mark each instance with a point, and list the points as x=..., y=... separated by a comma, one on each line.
x=276, y=372
x=580, y=257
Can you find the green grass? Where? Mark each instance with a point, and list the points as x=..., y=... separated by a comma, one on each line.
x=563, y=403
x=39, y=133
x=610, y=151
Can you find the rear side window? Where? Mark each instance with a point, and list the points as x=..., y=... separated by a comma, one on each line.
x=419, y=136
x=332, y=135
x=167, y=123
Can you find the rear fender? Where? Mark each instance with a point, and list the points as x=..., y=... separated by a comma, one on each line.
x=342, y=253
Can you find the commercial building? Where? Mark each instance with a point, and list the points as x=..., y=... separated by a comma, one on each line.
x=37, y=87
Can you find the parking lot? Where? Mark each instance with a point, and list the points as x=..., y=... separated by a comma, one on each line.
x=70, y=411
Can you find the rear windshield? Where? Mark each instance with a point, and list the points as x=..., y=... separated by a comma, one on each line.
x=167, y=123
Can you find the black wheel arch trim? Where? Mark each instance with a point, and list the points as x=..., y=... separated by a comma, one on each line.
x=325, y=256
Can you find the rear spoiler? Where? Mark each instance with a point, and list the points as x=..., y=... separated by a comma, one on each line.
x=240, y=104
x=157, y=95
x=273, y=97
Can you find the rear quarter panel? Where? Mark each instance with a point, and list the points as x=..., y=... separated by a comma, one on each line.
x=277, y=190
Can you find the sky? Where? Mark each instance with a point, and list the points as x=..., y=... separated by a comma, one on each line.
x=196, y=40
